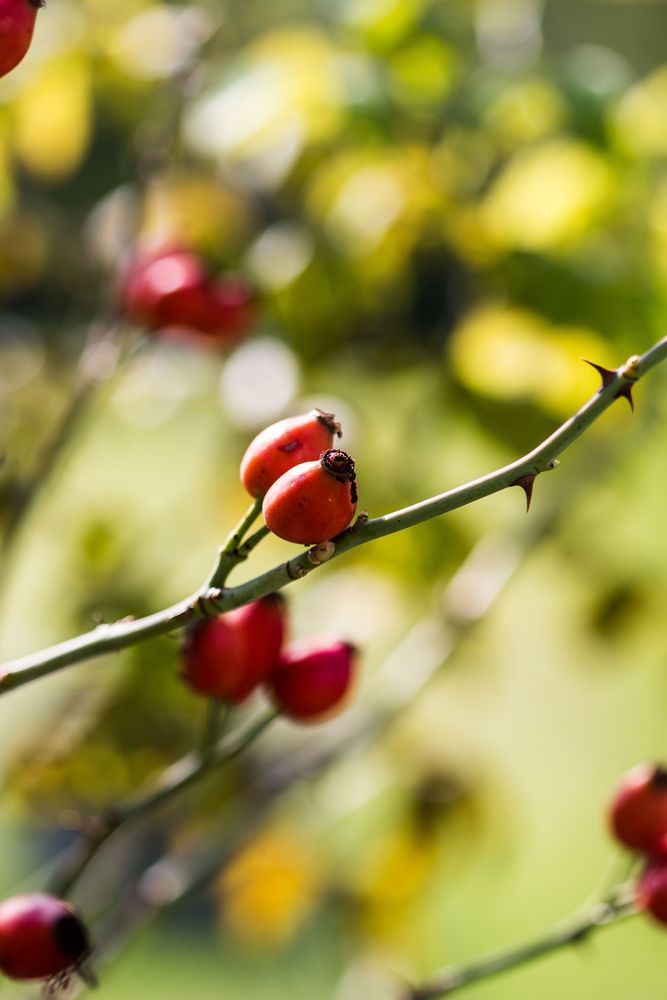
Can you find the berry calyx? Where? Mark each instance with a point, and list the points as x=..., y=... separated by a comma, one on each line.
x=227, y=657
x=17, y=23
x=638, y=812
x=313, y=680
x=313, y=502
x=285, y=444
x=40, y=937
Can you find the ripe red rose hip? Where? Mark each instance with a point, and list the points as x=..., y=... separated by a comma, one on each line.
x=313, y=679
x=40, y=937
x=228, y=656
x=638, y=812
x=652, y=888
x=17, y=22
x=171, y=288
x=314, y=501
x=283, y=445
x=261, y=626
x=155, y=284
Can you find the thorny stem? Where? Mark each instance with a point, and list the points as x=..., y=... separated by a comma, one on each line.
x=208, y=601
x=581, y=928
x=175, y=779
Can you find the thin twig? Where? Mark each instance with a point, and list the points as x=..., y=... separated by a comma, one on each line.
x=572, y=932
x=170, y=783
x=207, y=601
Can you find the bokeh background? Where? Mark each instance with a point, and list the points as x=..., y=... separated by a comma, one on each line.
x=441, y=206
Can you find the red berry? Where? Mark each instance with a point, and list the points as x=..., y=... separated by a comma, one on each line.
x=313, y=679
x=228, y=656
x=283, y=445
x=652, y=889
x=219, y=312
x=155, y=285
x=261, y=625
x=235, y=305
x=314, y=501
x=171, y=289
x=17, y=22
x=212, y=658
x=638, y=813
x=40, y=937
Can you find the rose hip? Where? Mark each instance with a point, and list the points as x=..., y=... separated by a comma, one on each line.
x=638, y=812
x=228, y=656
x=40, y=937
x=283, y=445
x=313, y=680
x=314, y=501
x=17, y=23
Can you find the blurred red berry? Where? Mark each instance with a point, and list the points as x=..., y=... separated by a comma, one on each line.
x=283, y=445
x=212, y=658
x=313, y=679
x=171, y=289
x=228, y=656
x=17, y=23
x=154, y=283
x=261, y=626
x=638, y=812
x=652, y=888
x=40, y=937
x=314, y=501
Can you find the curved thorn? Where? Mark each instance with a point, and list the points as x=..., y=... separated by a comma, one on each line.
x=606, y=374
x=526, y=484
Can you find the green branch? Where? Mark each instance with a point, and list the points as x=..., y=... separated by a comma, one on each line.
x=210, y=600
x=580, y=929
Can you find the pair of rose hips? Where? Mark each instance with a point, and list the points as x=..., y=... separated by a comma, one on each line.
x=42, y=937
x=228, y=657
x=170, y=289
x=308, y=488
x=638, y=819
x=17, y=23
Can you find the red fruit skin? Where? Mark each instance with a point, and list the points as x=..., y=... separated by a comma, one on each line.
x=40, y=936
x=155, y=286
x=309, y=505
x=313, y=680
x=170, y=289
x=17, y=23
x=217, y=312
x=213, y=659
x=652, y=889
x=283, y=445
x=227, y=657
x=638, y=812
x=261, y=626
x=235, y=303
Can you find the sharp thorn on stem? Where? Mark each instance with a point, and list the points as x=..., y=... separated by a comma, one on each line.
x=526, y=484
x=608, y=375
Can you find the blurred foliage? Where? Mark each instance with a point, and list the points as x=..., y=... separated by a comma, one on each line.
x=443, y=205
